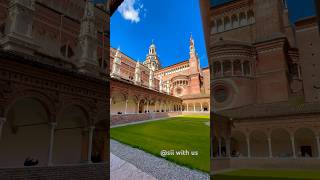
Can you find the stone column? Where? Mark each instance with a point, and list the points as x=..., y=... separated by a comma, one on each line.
x=242, y=69
x=270, y=147
x=155, y=106
x=228, y=147
x=201, y=107
x=91, y=129
x=219, y=146
x=147, y=106
x=2, y=121
x=51, y=142
x=221, y=65
x=138, y=104
x=248, y=147
x=232, y=73
x=194, y=107
x=187, y=107
x=126, y=108
x=318, y=145
x=110, y=101
x=293, y=146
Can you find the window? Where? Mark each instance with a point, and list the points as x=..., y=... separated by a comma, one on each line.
x=220, y=93
x=66, y=51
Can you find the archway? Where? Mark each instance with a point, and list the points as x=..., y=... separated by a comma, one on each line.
x=280, y=143
x=118, y=104
x=25, y=134
x=238, y=144
x=71, y=136
x=305, y=142
x=259, y=144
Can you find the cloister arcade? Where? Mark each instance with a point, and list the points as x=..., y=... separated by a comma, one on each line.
x=232, y=20
x=200, y=105
x=140, y=100
x=283, y=143
x=31, y=128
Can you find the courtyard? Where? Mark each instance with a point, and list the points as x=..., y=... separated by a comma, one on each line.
x=187, y=136
x=247, y=174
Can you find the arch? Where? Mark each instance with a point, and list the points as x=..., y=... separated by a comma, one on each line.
x=197, y=106
x=71, y=135
x=242, y=19
x=205, y=106
x=227, y=23
x=118, y=103
x=280, y=143
x=259, y=144
x=217, y=71
x=238, y=144
x=25, y=133
x=234, y=21
x=227, y=68
x=305, y=143
x=246, y=68
x=219, y=25
x=250, y=17
x=42, y=98
x=237, y=67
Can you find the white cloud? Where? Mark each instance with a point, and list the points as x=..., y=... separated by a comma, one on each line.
x=130, y=10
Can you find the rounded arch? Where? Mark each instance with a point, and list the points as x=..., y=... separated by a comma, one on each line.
x=25, y=133
x=217, y=71
x=305, y=142
x=219, y=25
x=238, y=144
x=41, y=97
x=242, y=19
x=227, y=68
x=117, y=103
x=258, y=144
x=71, y=134
x=250, y=16
x=237, y=67
x=246, y=68
x=227, y=23
x=235, y=21
x=281, y=143
x=205, y=106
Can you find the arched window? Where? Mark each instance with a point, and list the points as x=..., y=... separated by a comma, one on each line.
x=234, y=21
x=217, y=69
x=227, y=23
x=243, y=19
x=219, y=26
x=250, y=17
x=227, y=68
x=237, y=67
x=66, y=51
x=246, y=68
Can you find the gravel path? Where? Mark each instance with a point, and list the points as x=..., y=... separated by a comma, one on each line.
x=155, y=166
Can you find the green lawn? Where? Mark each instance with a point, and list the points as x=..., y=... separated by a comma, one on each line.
x=268, y=175
x=178, y=133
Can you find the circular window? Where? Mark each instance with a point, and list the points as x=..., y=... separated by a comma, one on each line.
x=220, y=94
x=178, y=91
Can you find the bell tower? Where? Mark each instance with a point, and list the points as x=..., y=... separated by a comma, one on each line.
x=152, y=61
x=194, y=69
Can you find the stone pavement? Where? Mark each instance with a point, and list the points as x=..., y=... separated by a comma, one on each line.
x=144, y=165
x=122, y=170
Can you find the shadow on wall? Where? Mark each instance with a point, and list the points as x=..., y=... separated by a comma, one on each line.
x=230, y=177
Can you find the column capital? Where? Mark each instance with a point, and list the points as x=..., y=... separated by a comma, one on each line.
x=53, y=124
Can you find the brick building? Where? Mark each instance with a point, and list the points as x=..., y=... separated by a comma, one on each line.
x=54, y=89
x=264, y=84
x=148, y=89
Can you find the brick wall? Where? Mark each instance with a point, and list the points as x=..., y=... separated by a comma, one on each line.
x=67, y=172
x=129, y=118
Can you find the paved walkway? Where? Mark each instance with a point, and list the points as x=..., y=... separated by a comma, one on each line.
x=122, y=170
x=147, y=166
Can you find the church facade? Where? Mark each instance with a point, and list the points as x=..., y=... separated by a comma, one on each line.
x=264, y=84
x=152, y=90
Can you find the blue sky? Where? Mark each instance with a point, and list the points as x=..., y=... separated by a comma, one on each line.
x=169, y=23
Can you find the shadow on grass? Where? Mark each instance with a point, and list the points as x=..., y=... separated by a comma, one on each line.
x=233, y=177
